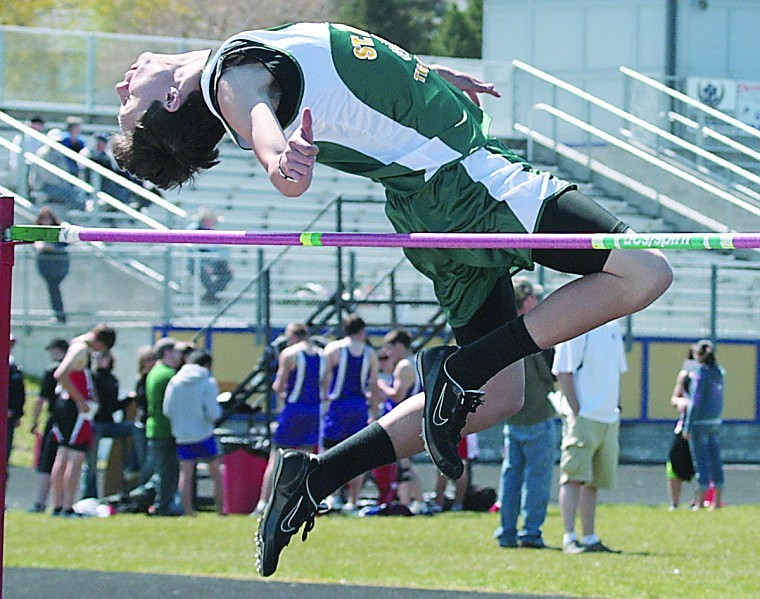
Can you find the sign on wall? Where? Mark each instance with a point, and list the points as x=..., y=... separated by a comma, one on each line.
x=716, y=93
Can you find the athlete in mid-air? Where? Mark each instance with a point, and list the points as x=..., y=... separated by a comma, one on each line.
x=329, y=93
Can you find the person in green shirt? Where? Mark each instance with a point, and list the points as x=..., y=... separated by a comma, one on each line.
x=162, y=448
x=530, y=444
x=330, y=93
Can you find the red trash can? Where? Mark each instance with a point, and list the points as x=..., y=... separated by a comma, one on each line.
x=242, y=473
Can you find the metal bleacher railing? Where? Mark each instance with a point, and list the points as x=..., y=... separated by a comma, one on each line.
x=668, y=193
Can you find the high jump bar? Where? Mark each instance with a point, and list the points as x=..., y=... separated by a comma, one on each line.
x=580, y=241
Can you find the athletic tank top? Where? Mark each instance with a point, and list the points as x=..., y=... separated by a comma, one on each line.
x=413, y=390
x=350, y=376
x=82, y=382
x=378, y=110
x=303, y=382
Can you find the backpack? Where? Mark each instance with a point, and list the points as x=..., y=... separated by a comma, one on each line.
x=479, y=499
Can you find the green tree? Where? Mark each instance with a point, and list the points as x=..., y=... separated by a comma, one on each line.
x=23, y=12
x=408, y=23
x=460, y=32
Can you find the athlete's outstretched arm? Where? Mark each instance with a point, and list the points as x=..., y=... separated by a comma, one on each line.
x=470, y=85
x=248, y=97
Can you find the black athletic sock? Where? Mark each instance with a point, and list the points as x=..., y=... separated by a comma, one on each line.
x=369, y=448
x=474, y=364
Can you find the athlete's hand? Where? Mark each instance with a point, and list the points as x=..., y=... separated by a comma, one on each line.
x=297, y=160
x=470, y=85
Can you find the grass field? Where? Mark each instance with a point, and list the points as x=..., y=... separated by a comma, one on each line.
x=680, y=554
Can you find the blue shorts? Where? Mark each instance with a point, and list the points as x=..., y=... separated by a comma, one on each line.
x=297, y=426
x=202, y=450
x=344, y=418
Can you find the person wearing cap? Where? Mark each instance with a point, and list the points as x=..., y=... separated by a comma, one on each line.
x=100, y=153
x=48, y=446
x=74, y=141
x=16, y=399
x=701, y=426
x=588, y=370
x=162, y=447
x=213, y=266
x=530, y=442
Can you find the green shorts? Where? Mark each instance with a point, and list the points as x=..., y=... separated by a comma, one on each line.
x=487, y=192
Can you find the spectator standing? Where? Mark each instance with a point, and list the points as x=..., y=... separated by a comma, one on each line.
x=146, y=359
x=46, y=440
x=16, y=399
x=301, y=387
x=403, y=385
x=530, y=442
x=52, y=263
x=352, y=366
x=74, y=141
x=213, y=263
x=702, y=423
x=679, y=466
x=588, y=370
x=73, y=414
x=107, y=391
x=385, y=476
x=52, y=186
x=27, y=144
x=162, y=446
x=100, y=153
x=191, y=406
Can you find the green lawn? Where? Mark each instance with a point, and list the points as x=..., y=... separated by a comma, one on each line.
x=680, y=554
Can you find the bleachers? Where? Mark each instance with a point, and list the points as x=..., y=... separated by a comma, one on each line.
x=242, y=195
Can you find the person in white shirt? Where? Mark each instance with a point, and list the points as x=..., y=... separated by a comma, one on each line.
x=190, y=404
x=588, y=370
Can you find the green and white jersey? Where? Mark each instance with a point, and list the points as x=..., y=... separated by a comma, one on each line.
x=378, y=110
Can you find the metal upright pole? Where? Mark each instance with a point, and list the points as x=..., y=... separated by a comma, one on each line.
x=6, y=278
x=339, y=304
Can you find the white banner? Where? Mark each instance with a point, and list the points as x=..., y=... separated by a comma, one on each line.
x=748, y=102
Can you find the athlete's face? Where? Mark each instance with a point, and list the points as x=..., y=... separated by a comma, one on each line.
x=149, y=79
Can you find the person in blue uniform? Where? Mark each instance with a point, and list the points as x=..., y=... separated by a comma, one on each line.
x=300, y=385
x=353, y=399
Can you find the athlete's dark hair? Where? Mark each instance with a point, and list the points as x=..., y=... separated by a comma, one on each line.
x=201, y=357
x=105, y=334
x=169, y=148
x=352, y=324
x=398, y=336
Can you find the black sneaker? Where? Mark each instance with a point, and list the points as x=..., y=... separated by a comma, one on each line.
x=599, y=547
x=446, y=407
x=290, y=506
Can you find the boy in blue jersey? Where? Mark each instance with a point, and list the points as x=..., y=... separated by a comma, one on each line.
x=353, y=399
x=312, y=92
x=301, y=387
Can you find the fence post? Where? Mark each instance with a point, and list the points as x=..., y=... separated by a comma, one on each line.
x=394, y=305
x=265, y=285
x=167, y=307
x=89, y=92
x=2, y=65
x=260, y=339
x=339, y=262
x=714, y=302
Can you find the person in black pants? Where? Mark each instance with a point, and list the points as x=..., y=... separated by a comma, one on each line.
x=52, y=263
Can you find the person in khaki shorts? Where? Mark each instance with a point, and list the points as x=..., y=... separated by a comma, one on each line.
x=588, y=370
